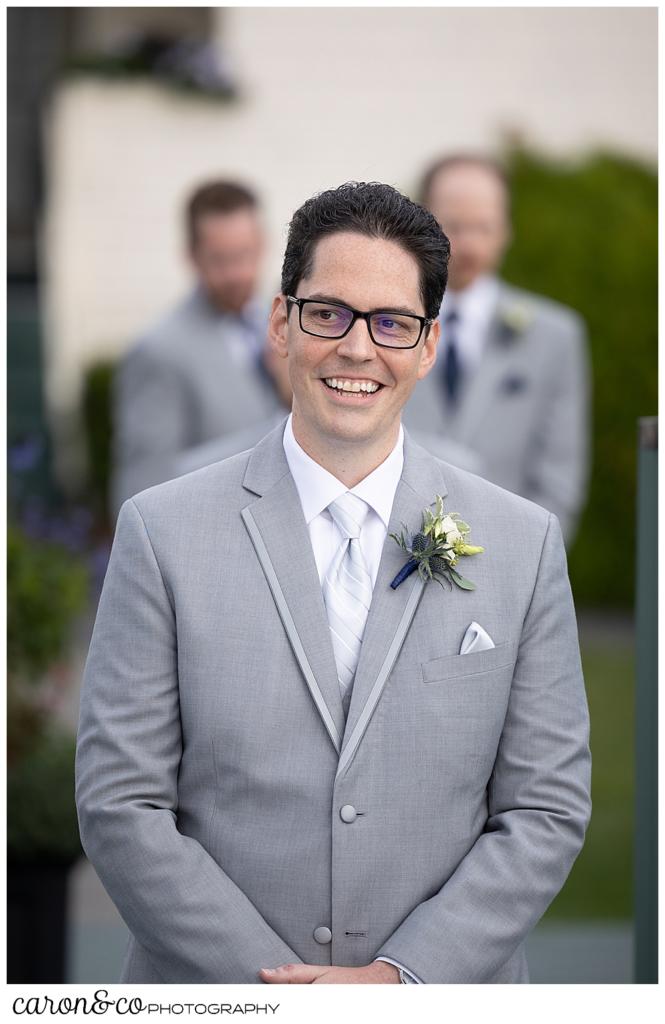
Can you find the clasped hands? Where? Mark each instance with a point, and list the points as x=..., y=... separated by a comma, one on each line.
x=377, y=973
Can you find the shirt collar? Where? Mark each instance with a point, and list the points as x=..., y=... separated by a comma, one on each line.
x=317, y=488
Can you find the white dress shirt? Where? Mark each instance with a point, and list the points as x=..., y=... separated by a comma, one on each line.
x=475, y=307
x=317, y=488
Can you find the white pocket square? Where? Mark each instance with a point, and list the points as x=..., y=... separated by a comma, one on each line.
x=476, y=639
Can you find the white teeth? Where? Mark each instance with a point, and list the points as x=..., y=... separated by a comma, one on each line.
x=352, y=385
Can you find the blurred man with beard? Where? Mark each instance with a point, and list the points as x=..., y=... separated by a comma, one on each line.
x=199, y=374
x=513, y=380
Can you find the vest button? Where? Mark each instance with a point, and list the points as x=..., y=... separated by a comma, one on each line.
x=322, y=934
x=348, y=813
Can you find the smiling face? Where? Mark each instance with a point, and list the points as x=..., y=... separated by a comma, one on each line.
x=367, y=274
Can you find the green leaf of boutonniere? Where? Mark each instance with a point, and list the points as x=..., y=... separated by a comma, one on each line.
x=461, y=581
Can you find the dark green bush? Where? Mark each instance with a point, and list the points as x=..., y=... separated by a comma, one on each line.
x=586, y=235
x=46, y=588
x=98, y=426
x=41, y=813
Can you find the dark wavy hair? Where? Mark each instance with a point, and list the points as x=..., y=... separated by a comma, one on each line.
x=378, y=211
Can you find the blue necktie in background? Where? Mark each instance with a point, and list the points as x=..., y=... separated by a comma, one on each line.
x=452, y=371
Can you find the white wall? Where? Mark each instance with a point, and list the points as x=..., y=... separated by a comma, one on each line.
x=329, y=94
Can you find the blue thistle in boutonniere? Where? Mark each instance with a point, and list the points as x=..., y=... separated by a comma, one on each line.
x=437, y=547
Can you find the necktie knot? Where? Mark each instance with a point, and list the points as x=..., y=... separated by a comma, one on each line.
x=348, y=513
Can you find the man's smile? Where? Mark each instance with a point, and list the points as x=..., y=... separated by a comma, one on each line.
x=354, y=390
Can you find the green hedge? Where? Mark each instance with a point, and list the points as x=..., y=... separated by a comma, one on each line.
x=98, y=427
x=42, y=824
x=586, y=235
x=47, y=587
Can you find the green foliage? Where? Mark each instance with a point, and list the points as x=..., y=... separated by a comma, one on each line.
x=41, y=812
x=98, y=425
x=586, y=235
x=46, y=588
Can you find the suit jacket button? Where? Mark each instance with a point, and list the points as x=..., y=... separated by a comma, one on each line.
x=348, y=813
x=322, y=934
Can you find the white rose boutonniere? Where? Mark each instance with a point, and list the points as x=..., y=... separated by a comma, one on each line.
x=437, y=547
x=516, y=317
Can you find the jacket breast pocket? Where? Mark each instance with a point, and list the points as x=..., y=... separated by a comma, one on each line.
x=455, y=666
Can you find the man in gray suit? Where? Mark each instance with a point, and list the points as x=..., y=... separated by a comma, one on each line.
x=198, y=374
x=291, y=766
x=513, y=381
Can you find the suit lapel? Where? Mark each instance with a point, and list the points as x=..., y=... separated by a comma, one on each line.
x=391, y=611
x=278, y=530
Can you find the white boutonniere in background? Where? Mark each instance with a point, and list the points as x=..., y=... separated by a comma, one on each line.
x=436, y=548
x=516, y=316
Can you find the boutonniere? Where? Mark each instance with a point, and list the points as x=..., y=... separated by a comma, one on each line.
x=516, y=317
x=437, y=547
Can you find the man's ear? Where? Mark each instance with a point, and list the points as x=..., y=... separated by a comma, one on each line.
x=278, y=326
x=428, y=353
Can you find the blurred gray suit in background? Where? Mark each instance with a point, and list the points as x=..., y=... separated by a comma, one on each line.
x=524, y=408
x=195, y=378
x=513, y=379
x=199, y=373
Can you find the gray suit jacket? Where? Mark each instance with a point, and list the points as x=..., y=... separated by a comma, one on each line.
x=214, y=759
x=526, y=408
x=176, y=390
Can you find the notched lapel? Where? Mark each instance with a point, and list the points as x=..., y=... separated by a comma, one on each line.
x=278, y=531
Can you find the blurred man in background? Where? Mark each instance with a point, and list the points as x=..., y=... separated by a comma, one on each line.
x=199, y=374
x=512, y=381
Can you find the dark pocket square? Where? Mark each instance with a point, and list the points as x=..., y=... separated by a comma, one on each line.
x=513, y=384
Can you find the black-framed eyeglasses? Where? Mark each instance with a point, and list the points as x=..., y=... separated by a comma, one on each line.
x=387, y=328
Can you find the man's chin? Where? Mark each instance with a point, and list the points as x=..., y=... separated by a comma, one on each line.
x=229, y=303
x=355, y=428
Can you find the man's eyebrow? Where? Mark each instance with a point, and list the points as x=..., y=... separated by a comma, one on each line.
x=320, y=297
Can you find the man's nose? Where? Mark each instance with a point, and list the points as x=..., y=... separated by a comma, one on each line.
x=357, y=344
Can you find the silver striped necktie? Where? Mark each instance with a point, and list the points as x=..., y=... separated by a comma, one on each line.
x=347, y=590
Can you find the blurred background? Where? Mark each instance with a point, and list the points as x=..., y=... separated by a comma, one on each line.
x=115, y=117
